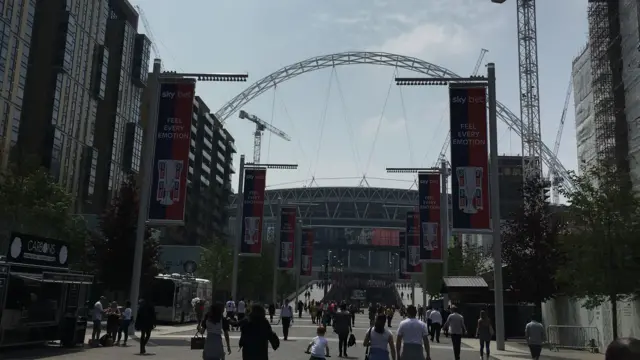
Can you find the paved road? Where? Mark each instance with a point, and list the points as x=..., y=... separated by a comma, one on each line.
x=173, y=343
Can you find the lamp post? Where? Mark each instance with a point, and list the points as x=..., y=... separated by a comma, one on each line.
x=443, y=171
x=490, y=83
x=146, y=171
x=239, y=209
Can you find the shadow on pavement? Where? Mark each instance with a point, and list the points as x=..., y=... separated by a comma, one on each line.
x=168, y=342
x=38, y=352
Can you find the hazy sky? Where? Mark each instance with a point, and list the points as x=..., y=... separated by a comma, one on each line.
x=333, y=115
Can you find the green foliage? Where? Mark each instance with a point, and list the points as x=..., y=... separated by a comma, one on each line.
x=603, y=251
x=465, y=260
x=31, y=202
x=114, y=247
x=530, y=245
x=217, y=265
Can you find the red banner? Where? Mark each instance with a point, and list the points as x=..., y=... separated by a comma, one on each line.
x=171, y=160
x=306, y=258
x=469, y=158
x=430, y=225
x=287, y=237
x=253, y=211
x=413, y=243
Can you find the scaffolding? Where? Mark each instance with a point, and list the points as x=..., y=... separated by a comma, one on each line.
x=607, y=85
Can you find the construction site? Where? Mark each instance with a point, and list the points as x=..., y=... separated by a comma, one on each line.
x=605, y=77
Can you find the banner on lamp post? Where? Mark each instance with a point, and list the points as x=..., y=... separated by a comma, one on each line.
x=253, y=211
x=430, y=225
x=306, y=253
x=414, y=266
x=287, y=237
x=171, y=154
x=469, y=157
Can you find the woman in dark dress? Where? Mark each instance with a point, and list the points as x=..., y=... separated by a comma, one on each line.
x=145, y=322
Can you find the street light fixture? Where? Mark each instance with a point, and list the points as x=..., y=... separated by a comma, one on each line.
x=239, y=208
x=490, y=83
x=146, y=171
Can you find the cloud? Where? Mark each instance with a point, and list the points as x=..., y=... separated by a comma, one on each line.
x=360, y=17
x=429, y=38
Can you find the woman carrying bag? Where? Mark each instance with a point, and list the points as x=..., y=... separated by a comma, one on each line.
x=378, y=341
x=216, y=326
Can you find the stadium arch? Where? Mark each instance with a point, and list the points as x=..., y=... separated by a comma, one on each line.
x=380, y=59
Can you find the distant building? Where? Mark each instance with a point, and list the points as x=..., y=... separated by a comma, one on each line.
x=510, y=179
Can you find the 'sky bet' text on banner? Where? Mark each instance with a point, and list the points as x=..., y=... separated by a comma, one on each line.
x=171, y=160
x=253, y=211
x=287, y=237
x=469, y=157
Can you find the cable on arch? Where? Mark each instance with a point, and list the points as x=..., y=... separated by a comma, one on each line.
x=384, y=108
x=322, y=122
x=351, y=132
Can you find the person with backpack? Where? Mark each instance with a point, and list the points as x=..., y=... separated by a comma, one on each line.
x=378, y=341
x=342, y=327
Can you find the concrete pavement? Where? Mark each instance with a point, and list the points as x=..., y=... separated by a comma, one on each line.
x=518, y=351
x=170, y=343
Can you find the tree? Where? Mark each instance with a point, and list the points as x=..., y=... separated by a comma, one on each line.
x=465, y=260
x=530, y=247
x=603, y=251
x=114, y=246
x=217, y=265
x=31, y=202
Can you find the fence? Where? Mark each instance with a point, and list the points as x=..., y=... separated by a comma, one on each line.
x=573, y=337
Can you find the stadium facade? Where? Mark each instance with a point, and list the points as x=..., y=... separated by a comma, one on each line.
x=356, y=227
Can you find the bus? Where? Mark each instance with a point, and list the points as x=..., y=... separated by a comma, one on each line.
x=171, y=295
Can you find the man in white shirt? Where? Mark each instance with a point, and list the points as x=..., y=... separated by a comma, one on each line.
x=242, y=309
x=286, y=317
x=96, y=315
x=414, y=335
x=436, y=324
x=535, y=336
x=426, y=316
x=231, y=308
x=456, y=328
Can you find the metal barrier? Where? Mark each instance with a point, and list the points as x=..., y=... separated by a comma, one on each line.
x=573, y=337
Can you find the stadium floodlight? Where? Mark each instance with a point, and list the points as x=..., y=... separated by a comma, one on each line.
x=412, y=170
x=218, y=77
x=271, y=166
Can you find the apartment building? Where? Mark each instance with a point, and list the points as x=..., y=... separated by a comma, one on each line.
x=124, y=61
x=16, y=30
x=87, y=65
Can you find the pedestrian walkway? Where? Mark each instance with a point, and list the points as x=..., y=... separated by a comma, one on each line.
x=518, y=351
x=406, y=300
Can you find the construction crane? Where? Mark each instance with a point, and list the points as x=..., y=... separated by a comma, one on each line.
x=147, y=27
x=553, y=173
x=261, y=126
x=445, y=146
x=529, y=89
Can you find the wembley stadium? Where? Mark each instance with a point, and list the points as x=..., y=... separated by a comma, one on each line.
x=357, y=228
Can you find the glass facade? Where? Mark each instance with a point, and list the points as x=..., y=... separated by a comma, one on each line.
x=16, y=26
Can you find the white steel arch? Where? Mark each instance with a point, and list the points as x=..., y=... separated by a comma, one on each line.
x=375, y=58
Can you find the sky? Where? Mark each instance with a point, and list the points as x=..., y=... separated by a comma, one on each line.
x=353, y=121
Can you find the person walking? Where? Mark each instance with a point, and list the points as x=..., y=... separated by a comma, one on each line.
x=427, y=315
x=389, y=313
x=231, y=308
x=256, y=335
x=456, y=328
x=436, y=324
x=342, y=327
x=216, y=326
x=484, y=332
x=286, y=317
x=535, y=336
x=379, y=341
x=413, y=334
x=145, y=323
x=241, y=309
x=300, y=308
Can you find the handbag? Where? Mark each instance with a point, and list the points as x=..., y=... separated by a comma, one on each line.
x=197, y=341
